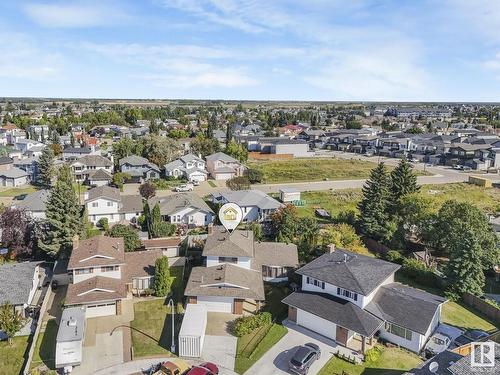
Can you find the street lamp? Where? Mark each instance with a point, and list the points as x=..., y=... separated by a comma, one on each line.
x=172, y=310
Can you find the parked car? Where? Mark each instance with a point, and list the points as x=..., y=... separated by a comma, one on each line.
x=206, y=368
x=469, y=336
x=185, y=187
x=437, y=343
x=20, y=197
x=195, y=183
x=304, y=357
x=178, y=367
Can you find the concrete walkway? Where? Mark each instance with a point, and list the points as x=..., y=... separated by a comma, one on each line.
x=275, y=361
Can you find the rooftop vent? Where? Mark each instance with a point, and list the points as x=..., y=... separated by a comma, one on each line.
x=433, y=367
x=72, y=322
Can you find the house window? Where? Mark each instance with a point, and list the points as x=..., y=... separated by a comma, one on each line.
x=83, y=271
x=317, y=283
x=110, y=204
x=109, y=268
x=347, y=293
x=95, y=204
x=142, y=284
x=398, y=331
x=228, y=260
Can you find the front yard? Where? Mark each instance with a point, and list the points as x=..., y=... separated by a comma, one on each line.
x=45, y=349
x=392, y=361
x=250, y=348
x=12, y=356
x=151, y=327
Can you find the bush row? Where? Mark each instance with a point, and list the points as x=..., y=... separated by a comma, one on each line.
x=247, y=324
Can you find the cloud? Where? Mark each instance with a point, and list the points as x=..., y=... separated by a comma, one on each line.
x=23, y=58
x=74, y=15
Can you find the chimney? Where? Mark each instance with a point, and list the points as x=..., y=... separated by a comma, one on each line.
x=210, y=228
x=331, y=248
x=76, y=241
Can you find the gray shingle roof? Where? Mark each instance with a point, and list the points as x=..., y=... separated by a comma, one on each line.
x=13, y=173
x=405, y=306
x=355, y=272
x=275, y=254
x=94, y=160
x=250, y=198
x=16, y=282
x=134, y=160
x=237, y=244
x=336, y=310
x=172, y=204
x=34, y=202
x=103, y=192
x=222, y=156
x=100, y=175
x=205, y=281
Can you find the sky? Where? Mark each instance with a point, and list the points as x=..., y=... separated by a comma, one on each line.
x=328, y=50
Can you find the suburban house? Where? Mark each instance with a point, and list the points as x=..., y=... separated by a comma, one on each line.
x=73, y=153
x=236, y=267
x=19, y=282
x=169, y=246
x=29, y=165
x=255, y=204
x=13, y=177
x=189, y=166
x=34, y=203
x=139, y=168
x=24, y=145
x=103, y=274
x=350, y=298
x=184, y=209
x=224, y=167
x=106, y=202
x=86, y=166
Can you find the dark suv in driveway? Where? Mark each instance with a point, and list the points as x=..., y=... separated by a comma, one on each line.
x=304, y=357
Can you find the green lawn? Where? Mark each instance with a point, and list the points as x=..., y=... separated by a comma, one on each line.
x=311, y=169
x=392, y=361
x=212, y=184
x=12, y=192
x=465, y=317
x=12, y=356
x=250, y=348
x=45, y=349
x=151, y=333
x=337, y=202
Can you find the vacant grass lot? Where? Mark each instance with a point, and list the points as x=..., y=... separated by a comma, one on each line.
x=311, y=169
x=338, y=202
x=45, y=349
x=12, y=356
x=391, y=362
x=15, y=191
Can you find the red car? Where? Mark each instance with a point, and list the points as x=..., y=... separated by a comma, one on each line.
x=206, y=368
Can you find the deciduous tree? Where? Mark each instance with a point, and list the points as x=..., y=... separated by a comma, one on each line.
x=10, y=320
x=129, y=235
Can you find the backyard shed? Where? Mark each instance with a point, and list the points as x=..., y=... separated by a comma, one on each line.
x=192, y=333
x=70, y=337
x=289, y=195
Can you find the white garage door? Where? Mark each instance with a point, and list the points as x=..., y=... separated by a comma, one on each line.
x=198, y=177
x=316, y=324
x=217, y=304
x=223, y=176
x=101, y=310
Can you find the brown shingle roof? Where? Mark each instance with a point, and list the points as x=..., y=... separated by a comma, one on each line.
x=97, y=251
x=161, y=243
x=104, y=192
x=140, y=264
x=245, y=283
x=95, y=289
x=276, y=254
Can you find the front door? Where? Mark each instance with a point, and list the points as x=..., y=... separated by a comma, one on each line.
x=342, y=335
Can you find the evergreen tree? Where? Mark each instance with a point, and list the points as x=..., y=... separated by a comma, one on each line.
x=229, y=133
x=63, y=214
x=129, y=235
x=464, y=271
x=156, y=214
x=46, y=167
x=212, y=124
x=162, y=277
x=374, y=204
x=403, y=182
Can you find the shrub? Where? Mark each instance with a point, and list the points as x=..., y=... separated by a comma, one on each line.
x=417, y=270
x=103, y=223
x=238, y=183
x=254, y=175
x=394, y=256
x=246, y=324
x=373, y=355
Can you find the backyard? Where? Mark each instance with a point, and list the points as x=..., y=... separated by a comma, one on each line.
x=391, y=361
x=12, y=356
x=250, y=348
x=151, y=333
x=311, y=169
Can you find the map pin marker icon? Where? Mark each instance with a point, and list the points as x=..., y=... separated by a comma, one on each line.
x=230, y=216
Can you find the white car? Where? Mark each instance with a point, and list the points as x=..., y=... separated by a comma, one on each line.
x=184, y=187
x=437, y=343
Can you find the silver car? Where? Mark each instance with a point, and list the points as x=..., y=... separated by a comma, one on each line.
x=304, y=357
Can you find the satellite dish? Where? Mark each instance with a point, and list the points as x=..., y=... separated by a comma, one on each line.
x=433, y=367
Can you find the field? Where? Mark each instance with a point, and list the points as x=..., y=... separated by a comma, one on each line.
x=311, y=169
x=338, y=202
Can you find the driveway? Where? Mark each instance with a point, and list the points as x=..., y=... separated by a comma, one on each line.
x=275, y=361
x=220, y=350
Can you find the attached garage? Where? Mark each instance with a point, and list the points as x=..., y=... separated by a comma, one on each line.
x=198, y=176
x=224, y=176
x=102, y=309
x=316, y=324
x=217, y=304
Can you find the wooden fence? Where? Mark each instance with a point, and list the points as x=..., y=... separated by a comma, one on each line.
x=482, y=306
